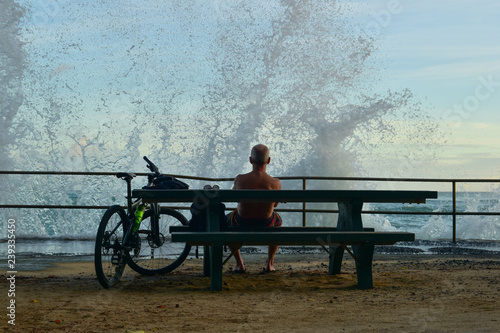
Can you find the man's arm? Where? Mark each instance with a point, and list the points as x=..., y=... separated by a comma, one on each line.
x=278, y=187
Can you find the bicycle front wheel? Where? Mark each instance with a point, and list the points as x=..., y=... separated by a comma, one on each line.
x=158, y=256
x=109, y=258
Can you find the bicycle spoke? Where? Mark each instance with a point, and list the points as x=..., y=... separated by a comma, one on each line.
x=156, y=253
x=110, y=260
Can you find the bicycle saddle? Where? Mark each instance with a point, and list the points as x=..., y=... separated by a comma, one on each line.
x=125, y=175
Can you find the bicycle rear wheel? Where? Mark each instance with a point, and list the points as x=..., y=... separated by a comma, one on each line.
x=150, y=258
x=109, y=260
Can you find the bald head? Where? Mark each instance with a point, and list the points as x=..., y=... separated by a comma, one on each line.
x=260, y=154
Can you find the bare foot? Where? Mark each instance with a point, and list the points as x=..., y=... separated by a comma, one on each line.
x=269, y=266
x=239, y=268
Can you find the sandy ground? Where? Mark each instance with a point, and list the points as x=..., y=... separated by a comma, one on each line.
x=412, y=294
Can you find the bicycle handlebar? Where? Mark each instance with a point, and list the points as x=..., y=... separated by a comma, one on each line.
x=151, y=166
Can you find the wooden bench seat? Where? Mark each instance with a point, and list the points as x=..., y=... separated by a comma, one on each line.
x=267, y=229
x=363, y=243
x=291, y=238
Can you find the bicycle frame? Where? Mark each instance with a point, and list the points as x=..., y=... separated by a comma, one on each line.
x=121, y=240
x=132, y=207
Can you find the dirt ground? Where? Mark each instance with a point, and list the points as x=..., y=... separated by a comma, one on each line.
x=412, y=293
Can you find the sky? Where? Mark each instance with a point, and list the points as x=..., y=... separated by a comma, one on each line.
x=446, y=52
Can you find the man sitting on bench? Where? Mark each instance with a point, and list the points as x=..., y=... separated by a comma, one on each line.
x=256, y=214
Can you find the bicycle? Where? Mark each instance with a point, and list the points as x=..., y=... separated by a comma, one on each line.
x=144, y=247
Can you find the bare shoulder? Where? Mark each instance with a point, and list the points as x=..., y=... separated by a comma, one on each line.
x=276, y=183
x=239, y=181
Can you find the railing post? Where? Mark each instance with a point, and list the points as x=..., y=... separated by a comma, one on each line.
x=303, y=204
x=454, y=186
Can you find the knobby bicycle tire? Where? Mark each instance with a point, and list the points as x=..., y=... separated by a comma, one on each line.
x=151, y=259
x=108, y=260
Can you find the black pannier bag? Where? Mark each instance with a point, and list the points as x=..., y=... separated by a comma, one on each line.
x=198, y=211
x=198, y=220
x=167, y=183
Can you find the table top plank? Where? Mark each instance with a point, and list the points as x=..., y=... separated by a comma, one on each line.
x=190, y=195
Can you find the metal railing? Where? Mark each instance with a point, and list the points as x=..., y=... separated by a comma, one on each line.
x=304, y=210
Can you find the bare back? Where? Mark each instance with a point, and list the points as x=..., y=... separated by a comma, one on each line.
x=256, y=180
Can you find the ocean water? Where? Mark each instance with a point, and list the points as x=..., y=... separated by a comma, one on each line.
x=439, y=227
x=81, y=224
x=475, y=234
x=194, y=85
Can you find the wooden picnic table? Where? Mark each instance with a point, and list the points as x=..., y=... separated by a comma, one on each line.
x=349, y=230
